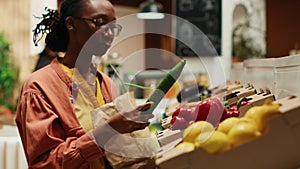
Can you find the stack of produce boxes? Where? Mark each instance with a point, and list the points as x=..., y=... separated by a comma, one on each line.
x=185, y=114
x=248, y=130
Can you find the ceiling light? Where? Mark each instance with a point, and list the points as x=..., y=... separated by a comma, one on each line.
x=150, y=10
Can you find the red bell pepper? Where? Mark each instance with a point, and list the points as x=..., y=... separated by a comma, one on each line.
x=179, y=123
x=210, y=110
x=181, y=118
x=183, y=112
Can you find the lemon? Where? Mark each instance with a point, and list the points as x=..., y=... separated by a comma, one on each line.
x=227, y=124
x=244, y=131
x=261, y=114
x=192, y=131
x=186, y=146
x=213, y=142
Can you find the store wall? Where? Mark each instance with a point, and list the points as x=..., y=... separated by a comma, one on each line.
x=19, y=26
x=282, y=27
x=258, y=20
x=130, y=49
x=37, y=8
x=227, y=25
x=18, y=21
x=132, y=46
x=15, y=23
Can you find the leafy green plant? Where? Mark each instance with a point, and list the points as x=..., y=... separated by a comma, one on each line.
x=8, y=77
x=243, y=45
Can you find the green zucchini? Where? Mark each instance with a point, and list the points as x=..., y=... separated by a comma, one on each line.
x=164, y=86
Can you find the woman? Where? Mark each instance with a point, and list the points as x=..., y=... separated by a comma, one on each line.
x=53, y=114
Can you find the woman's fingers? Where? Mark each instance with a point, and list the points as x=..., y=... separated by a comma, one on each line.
x=135, y=115
x=132, y=120
x=145, y=106
x=143, y=118
x=141, y=125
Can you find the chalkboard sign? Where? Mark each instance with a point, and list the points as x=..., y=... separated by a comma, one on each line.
x=198, y=20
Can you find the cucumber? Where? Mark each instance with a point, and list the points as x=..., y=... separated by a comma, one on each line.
x=164, y=86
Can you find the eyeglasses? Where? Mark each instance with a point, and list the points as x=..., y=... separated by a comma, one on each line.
x=99, y=24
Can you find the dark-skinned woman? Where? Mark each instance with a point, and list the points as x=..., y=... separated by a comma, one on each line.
x=53, y=114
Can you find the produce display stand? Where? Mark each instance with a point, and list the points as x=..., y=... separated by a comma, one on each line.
x=278, y=148
x=233, y=95
x=256, y=100
x=166, y=136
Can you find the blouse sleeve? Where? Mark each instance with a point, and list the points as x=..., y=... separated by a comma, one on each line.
x=44, y=140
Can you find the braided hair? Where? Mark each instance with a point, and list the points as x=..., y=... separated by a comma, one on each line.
x=54, y=26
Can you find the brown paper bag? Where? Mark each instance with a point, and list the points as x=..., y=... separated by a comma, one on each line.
x=132, y=150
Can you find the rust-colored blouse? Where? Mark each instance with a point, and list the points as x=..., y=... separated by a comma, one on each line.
x=50, y=131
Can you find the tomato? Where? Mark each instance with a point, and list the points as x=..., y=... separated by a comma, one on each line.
x=233, y=107
x=231, y=112
x=244, y=102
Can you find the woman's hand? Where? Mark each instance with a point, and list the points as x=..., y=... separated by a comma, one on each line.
x=127, y=122
x=121, y=123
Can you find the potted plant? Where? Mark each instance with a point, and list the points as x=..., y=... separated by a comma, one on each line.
x=244, y=45
x=8, y=78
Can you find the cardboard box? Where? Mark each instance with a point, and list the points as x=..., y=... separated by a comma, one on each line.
x=234, y=86
x=287, y=76
x=281, y=75
x=278, y=148
x=256, y=100
x=237, y=72
x=260, y=72
x=233, y=96
x=167, y=136
x=228, y=88
x=166, y=122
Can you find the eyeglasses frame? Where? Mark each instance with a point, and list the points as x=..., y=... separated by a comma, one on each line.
x=102, y=25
